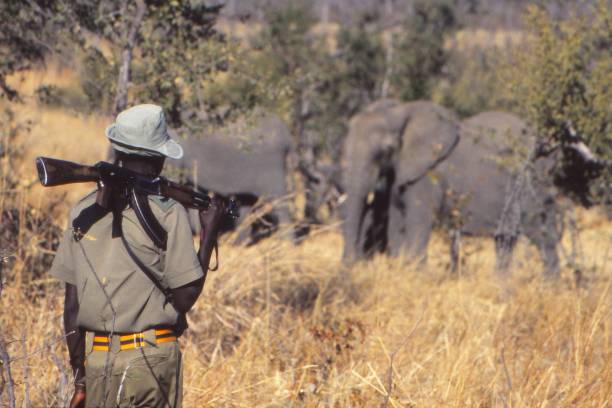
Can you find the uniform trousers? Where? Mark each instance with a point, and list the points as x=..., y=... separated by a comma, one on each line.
x=150, y=376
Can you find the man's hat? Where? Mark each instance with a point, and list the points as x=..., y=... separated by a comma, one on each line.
x=142, y=130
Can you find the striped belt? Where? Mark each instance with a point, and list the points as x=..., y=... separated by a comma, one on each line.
x=101, y=341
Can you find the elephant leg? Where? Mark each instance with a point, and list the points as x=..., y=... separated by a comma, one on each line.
x=244, y=232
x=542, y=229
x=411, y=219
x=282, y=215
x=504, y=247
x=455, y=250
x=550, y=258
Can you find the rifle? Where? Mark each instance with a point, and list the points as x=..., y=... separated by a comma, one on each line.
x=55, y=172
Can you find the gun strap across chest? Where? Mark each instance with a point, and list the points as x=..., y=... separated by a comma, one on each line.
x=146, y=270
x=140, y=203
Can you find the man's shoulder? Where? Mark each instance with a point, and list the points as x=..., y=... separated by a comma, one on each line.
x=85, y=201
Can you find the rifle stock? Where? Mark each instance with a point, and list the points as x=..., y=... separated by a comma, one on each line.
x=55, y=172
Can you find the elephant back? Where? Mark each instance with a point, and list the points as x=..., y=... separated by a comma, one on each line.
x=254, y=133
x=248, y=156
x=502, y=131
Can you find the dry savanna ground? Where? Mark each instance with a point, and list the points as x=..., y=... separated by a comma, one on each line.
x=281, y=325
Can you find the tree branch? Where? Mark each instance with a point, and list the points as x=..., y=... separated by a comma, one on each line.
x=126, y=57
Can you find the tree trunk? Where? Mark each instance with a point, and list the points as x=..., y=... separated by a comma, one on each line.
x=384, y=91
x=123, y=81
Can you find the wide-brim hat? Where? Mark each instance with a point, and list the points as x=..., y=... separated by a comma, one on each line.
x=142, y=130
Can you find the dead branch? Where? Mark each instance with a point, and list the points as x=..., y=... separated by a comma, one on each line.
x=26, y=373
x=392, y=357
x=63, y=386
x=8, y=382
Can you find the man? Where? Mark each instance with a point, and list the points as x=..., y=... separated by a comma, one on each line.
x=126, y=296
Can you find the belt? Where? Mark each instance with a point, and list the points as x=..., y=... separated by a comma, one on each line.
x=101, y=341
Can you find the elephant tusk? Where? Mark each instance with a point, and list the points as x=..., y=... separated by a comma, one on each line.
x=370, y=198
x=584, y=152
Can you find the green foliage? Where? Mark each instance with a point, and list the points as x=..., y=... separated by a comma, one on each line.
x=176, y=50
x=297, y=64
x=286, y=41
x=70, y=98
x=29, y=31
x=353, y=82
x=97, y=80
x=287, y=36
x=360, y=66
x=179, y=50
x=562, y=78
x=248, y=83
x=470, y=82
x=420, y=52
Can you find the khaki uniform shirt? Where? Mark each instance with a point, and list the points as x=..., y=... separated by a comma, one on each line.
x=114, y=293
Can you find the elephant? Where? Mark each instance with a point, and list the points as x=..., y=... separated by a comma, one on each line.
x=468, y=192
x=410, y=167
x=390, y=146
x=248, y=161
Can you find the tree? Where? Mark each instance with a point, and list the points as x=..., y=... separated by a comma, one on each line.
x=299, y=63
x=354, y=81
x=420, y=54
x=28, y=32
x=561, y=80
x=162, y=51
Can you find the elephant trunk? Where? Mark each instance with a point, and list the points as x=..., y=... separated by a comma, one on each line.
x=354, y=228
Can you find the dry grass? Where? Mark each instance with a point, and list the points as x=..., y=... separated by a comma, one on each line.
x=280, y=325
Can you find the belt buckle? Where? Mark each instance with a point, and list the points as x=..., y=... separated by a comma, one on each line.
x=138, y=339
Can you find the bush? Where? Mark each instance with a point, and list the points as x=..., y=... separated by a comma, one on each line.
x=470, y=85
x=421, y=54
x=560, y=80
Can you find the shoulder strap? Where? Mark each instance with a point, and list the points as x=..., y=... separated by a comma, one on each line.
x=152, y=227
x=216, y=248
x=86, y=218
x=145, y=269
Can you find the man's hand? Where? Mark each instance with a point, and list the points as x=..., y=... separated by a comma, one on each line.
x=78, y=398
x=210, y=219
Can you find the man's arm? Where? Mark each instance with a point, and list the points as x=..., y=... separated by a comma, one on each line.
x=75, y=339
x=210, y=220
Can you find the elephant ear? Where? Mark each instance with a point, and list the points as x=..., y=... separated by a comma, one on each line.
x=429, y=135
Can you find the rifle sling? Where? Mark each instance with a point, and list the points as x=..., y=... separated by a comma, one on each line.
x=148, y=272
x=216, y=248
x=140, y=203
x=86, y=218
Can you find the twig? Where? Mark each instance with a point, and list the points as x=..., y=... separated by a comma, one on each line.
x=107, y=368
x=63, y=388
x=121, y=384
x=508, y=225
x=9, y=383
x=4, y=257
x=506, y=373
x=26, y=373
x=385, y=403
x=43, y=347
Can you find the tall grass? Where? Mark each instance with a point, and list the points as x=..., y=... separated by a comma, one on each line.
x=280, y=325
